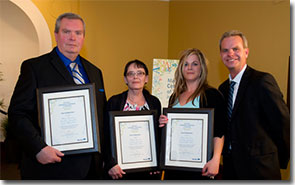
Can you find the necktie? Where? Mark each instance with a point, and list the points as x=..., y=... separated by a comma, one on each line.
x=230, y=100
x=77, y=76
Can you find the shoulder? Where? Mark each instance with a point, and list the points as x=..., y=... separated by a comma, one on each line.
x=212, y=92
x=115, y=102
x=149, y=96
x=259, y=78
x=223, y=86
x=40, y=59
x=118, y=97
x=89, y=65
x=152, y=100
x=213, y=97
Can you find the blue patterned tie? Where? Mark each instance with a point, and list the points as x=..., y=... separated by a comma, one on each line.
x=230, y=100
x=77, y=76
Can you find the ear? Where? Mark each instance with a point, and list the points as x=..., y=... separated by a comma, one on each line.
x=146, y=79
x=247, y=52
x=55, y=36
x=125, y=80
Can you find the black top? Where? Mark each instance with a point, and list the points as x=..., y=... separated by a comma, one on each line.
x=214, y=99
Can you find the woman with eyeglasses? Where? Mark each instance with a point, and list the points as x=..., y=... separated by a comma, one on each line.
x=191, y=90
x=136, y=98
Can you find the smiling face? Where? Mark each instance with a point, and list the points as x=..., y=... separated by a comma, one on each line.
x=135, y=77
x=233, y=54
x=70, y=37
x=191, y=69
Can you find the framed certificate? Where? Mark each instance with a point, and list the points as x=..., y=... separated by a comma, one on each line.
x=187, y=139
x=68, y=118
x=133, y=140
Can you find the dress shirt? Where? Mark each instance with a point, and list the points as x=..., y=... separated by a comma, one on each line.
x=237, y=79
x=67, y=62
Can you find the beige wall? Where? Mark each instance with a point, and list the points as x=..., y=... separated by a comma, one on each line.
x=119, y=31
x=116, y=32
x=266, y=25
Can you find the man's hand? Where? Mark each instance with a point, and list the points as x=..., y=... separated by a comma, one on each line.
x=49, y=155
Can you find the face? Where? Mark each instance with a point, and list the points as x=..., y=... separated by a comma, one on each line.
x=233, y=54
x=135, y=78
x=191, y=68
x=70, y=37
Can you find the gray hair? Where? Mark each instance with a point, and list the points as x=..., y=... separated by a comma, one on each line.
x=232, y=33
x=68, y=16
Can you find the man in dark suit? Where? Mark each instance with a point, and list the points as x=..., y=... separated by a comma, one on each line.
x=40, y=161
x=257, y=142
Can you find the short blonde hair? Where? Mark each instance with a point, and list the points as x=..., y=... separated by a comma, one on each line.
x=232, y=33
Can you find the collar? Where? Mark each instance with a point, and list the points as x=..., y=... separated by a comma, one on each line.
x=238, y=78
x=66, y=60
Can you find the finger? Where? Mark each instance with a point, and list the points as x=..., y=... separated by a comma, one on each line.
x=60, y=154
x=57, y=159
x=204, y=169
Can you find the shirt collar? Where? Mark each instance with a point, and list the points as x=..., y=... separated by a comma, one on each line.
x=238, y=78
x=67, y=61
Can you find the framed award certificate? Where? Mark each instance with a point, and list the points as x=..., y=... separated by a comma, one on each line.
x=68, y=118
x=133, y=140
x=187, y=139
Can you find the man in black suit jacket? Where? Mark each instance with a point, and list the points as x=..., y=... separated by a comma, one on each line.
x=257, y=142
x=40, y=161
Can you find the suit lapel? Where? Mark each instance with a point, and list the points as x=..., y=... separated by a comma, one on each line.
x=242, y=89
x=88, y=70
x=60, y=67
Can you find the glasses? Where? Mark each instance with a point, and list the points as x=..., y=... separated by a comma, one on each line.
x=138, y=73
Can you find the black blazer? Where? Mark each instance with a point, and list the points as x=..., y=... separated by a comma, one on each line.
x=47, y=71
x=260, y=127
x=214, y=99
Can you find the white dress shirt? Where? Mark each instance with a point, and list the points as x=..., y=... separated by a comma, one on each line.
x=237, y=79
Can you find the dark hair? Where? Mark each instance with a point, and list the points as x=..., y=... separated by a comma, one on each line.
x=138, y=64
x=68, y=15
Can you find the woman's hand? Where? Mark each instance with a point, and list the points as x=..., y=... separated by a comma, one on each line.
x=163, y=120
x=116, y=172
x=211, y=168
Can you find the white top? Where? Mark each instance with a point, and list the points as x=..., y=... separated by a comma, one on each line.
x=237, y=79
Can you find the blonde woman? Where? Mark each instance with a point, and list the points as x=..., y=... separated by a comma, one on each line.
x=191, y=90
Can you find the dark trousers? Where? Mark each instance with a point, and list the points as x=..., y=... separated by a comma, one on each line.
x=229, y=171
